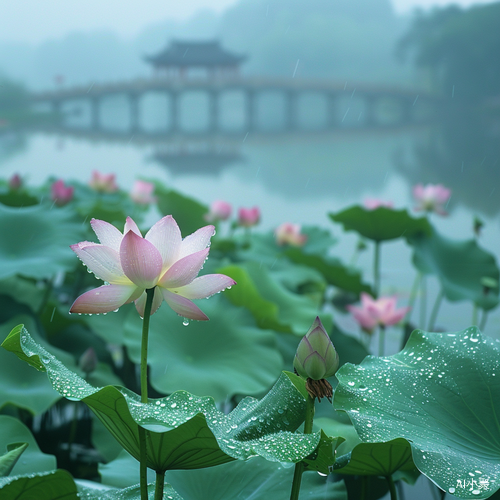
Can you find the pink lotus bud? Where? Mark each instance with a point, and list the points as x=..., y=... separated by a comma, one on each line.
x=248, y=217
x=15, y=182
x=142, y=193
x=373, y=203
x=88, y=361
x=60, y=193
x=431, y=198
x=316, y=358
x=289, y=234
x=375, y=312
x=103, y=183
x=219, y=210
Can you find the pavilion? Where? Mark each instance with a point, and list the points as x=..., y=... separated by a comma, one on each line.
x=187, y=59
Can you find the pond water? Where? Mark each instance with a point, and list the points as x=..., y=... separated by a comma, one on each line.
x=297, y=177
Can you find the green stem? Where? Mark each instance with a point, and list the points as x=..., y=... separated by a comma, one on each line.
x=484, y=317
x=143, y=468
x=423, y=301
x=299, y=466
x=364, y=487
x=381, y=340
x=376, y=269
x=474, y=314
x=392, y=487
x=144, y=344
x=413, y=295
x=160, y=484
x=435, y=310
x=46, y=296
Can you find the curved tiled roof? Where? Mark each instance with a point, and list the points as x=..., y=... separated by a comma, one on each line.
x=185, y=54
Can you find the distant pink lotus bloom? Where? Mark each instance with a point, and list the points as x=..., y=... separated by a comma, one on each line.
x=373, y=203
x=375, y=312
x=15, y=182
x=60, y=193
x=431, y=198
x=248, y=217
x=162, y=260
x=103, y=183
x=289, y=234
x=219, y=210
x=142, y=193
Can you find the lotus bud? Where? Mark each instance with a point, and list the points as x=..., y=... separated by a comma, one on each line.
x=316, y=359
x=15, y=182
x=88, y=361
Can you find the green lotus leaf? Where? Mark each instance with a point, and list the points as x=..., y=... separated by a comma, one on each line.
x=33, y=460
x=122, y=472
x=17, y=198
x=207, y=357
x=442, y=395
x=256, y=479
x=334, y=272
x=131, y=493
x=376, y=459
x=21, y=387
x=35, y=241
x=272, y=305
x=186, y=431
x=323, y=458
x=187, y=212
x=7, y=461
x=461, y=267
x=56, y=485
x=381, y=224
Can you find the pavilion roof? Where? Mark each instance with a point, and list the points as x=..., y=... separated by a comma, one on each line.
x=195, y=54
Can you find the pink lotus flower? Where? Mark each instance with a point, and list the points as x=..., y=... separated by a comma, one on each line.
x=248, y=217
x=289, y=234
x=142, y=193
x=373, y=203
x=431, y=198
x=161, y=260
x=375, y=312
x=15, y=182
x=60, y=193
x=219, y=210
x=103, y=183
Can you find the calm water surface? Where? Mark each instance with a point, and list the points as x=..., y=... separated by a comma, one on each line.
x=297, y=177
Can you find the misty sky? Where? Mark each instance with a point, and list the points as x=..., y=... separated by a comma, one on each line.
x=34, y=21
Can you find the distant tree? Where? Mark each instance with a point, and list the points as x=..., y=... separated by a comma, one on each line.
x=13, y=97
x=459, y=47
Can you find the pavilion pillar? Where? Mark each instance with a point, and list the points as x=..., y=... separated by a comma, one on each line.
x=406, y=107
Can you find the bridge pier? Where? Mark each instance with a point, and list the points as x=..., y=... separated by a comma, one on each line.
x=331, y=110
x=134, y=111
x=213, y=110
x=290, y=110
x=174, y=111
x=95, y=121
x=250, y=110
x=369, y=112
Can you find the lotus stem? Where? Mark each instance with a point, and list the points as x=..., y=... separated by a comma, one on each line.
x=381, y=340
x=484, y=317
x=376, y=269
x=474, y=314
x=143, y=469
x=160, y=484
x=413, y=295
x=435, y=310
x=423, y=301
x=299, y=466
x=392, y=487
